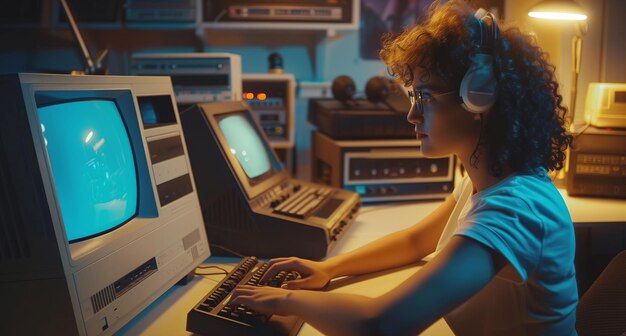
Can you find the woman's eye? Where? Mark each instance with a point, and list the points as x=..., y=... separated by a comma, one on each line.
x=426, y=96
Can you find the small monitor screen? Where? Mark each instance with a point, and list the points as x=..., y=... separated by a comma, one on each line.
x=246, y=144
x=92, y=164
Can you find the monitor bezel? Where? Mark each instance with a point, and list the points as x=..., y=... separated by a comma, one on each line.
x=214, y=112
x=51, y=98
x=125, y=92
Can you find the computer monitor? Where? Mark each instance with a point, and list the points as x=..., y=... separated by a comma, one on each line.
x=245, y=192
x=99, y=211
x=250, y=155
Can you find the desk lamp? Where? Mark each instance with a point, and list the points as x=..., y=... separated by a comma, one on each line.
x=566, y=10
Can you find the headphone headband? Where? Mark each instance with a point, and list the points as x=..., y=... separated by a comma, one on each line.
x=487, y=39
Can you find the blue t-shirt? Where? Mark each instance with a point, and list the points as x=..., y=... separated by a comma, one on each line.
x=525, y=219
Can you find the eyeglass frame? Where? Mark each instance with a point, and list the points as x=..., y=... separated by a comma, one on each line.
x=416, y=97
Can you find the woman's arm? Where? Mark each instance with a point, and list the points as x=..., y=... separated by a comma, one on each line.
x=459, y=271
x=397, y=249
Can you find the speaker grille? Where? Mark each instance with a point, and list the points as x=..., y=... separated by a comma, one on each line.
x=227, y=213
x=103, y=298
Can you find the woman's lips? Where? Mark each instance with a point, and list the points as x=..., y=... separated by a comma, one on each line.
x=420, y=136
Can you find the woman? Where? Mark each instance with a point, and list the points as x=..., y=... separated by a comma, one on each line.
x=505, y=239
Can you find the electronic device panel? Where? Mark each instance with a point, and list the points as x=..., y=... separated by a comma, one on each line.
x=196, y=77
x=381, y=170
x=597, y=164
x=310, y=11
x=605, y=105
x=272, y=99
x=250, y=203
x=361, y=118
x=99, y=210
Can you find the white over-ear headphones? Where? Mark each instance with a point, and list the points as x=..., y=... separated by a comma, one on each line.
x=478, y=86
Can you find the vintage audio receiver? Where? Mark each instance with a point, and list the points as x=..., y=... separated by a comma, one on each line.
x=309, y=11
x=196, y=77
x=605, y=105
x=381, y=170
x=597, y=165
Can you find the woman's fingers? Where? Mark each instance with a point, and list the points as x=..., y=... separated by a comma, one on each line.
x=279, y=266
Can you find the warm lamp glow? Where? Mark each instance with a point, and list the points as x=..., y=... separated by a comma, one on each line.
x=558, y=10
x=558, y=16
x=566, y=10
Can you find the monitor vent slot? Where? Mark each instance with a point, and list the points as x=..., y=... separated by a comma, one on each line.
x=13, y=242
x=228, y=213
x=103, y=298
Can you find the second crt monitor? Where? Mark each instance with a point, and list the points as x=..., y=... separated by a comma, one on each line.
x=250, y=203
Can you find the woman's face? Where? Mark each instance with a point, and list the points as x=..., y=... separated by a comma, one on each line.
x=442, y=125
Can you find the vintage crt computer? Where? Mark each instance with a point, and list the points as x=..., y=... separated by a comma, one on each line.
x=99, y=214
x=250, y=204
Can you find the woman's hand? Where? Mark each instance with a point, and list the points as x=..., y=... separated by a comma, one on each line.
x=313, y=274
x=265, y=300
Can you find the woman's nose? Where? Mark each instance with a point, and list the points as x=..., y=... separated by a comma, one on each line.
x=414, y=116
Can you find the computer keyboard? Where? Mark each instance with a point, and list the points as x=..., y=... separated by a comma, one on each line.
x=300, y=204
x=212, y=314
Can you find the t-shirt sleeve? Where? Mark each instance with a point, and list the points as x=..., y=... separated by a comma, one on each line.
x=508, y=226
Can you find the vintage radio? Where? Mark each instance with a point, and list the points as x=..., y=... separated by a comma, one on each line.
x=196, y=77
x=605, y=105
x=597, y=164
x=381, y=170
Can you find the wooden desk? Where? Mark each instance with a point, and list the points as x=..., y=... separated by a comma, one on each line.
x=167, y=315
x=589, y=210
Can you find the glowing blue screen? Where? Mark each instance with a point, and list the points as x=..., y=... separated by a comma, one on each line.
x=92, y=165
x=246, y=144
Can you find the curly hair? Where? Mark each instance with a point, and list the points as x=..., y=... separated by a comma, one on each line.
x=526, y=128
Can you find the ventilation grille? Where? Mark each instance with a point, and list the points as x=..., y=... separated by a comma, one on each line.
x=227, y=213
x=13, y=242
x=103, y=298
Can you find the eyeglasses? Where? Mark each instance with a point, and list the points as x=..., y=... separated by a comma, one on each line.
x=420, y=98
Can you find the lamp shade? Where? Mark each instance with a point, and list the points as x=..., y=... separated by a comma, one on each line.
x=565, y=10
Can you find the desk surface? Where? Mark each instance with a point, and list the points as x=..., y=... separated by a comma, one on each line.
x=167, y=315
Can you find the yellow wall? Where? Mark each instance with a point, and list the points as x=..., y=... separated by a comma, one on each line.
x=556, y=39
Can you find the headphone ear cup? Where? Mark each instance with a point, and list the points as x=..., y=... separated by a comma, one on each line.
x=478, y=87
x=377, y=89
x=343, y=88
